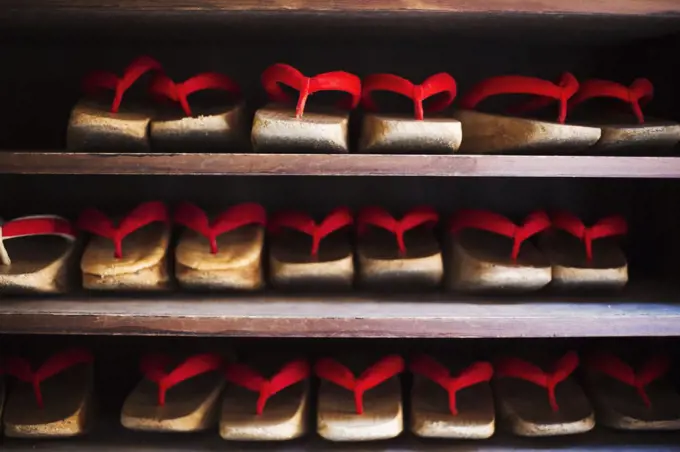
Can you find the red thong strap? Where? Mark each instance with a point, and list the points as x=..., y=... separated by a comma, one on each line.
x=612, y=366
x=518, y=368
x=606, y=227
x=101, y=80
x=337, y=219
x=289, y=374
x=33, y=225
x=379, y=217
x=163, y=86
x=20, y=368
x=438, y=84
x=95, y=222
x=493, y=222
x=383, y=370
x=640, y=91
x=153, y=368
x=429, y=368
x=192, y=217
x=517, y=84
x=329, y=81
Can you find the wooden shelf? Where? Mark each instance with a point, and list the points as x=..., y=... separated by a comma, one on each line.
x=642, y=310
x=40, y=162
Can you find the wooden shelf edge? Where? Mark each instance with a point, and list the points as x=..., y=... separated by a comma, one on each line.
x=41, y=162
x=418, y=316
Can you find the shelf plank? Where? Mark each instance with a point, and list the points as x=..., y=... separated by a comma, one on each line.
x=620, y=7
x=638, y=311
x=40, y=162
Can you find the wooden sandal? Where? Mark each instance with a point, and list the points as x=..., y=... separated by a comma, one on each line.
x=492, y=133
x=144, y=265
x=285, y=395
x=277, y=128
x=223, y=254
x=520, y=390
x=489, y=252
x=199, y=128
x=42, y=249
x=375, y=412
x=401, y=253
x=627, y=399
x=468, y=410
x=306, y=254
x=625, y=131
x=394, y=133
x=185, y=399
x=599, y=264
x=97, y=125
x=55, y=400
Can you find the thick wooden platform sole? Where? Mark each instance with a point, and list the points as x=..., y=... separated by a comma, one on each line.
x=382, y=133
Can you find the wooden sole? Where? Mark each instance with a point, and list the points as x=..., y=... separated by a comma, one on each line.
x=381, y=265
x=480, y=261
x=432, y=418
x=485, y=133
x=209, y=129
x=284, y=417
x=292, y=266
x=525, y=409
x=40, y=264
x=382, y=418
x=190, y=406
x=236, y=266
x=68, y=406
x=619, y=405
x=144, y=265
x=397, y=134
x=657, y=135
x=276, y=129
x=93, y=128
x=572, y=270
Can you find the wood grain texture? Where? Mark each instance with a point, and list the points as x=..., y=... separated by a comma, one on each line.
x=638, y=311
x=623, y=7
x=40, y=162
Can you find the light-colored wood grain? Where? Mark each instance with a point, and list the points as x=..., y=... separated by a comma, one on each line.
x=401, y=134
x=40, y=264
x=481, y=261
x=237, y=264
x=382, y=418
x=432, y=418
x=143, y=265
x=284, y=416
x=68, y=406
x=190, y=406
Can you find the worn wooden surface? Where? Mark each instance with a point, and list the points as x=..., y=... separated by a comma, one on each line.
x=41, y=162
x=638, y=311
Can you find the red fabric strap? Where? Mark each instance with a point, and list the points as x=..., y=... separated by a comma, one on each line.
x=163, y=86
x=98, y=80
x=438, y=84
x=20, y=368
x=517, y=84
x=612, y=366
x=381, y=371
x=379, y=217
x=337, y=219
x=31, y=226
x=493, y=222
x=153, y=367
x=193, y=217
x=606, y=227
x=431, y=369
x=95, y=222
x=518, y=368
x=640, y=92
x=289, y=374
x=329, y=81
